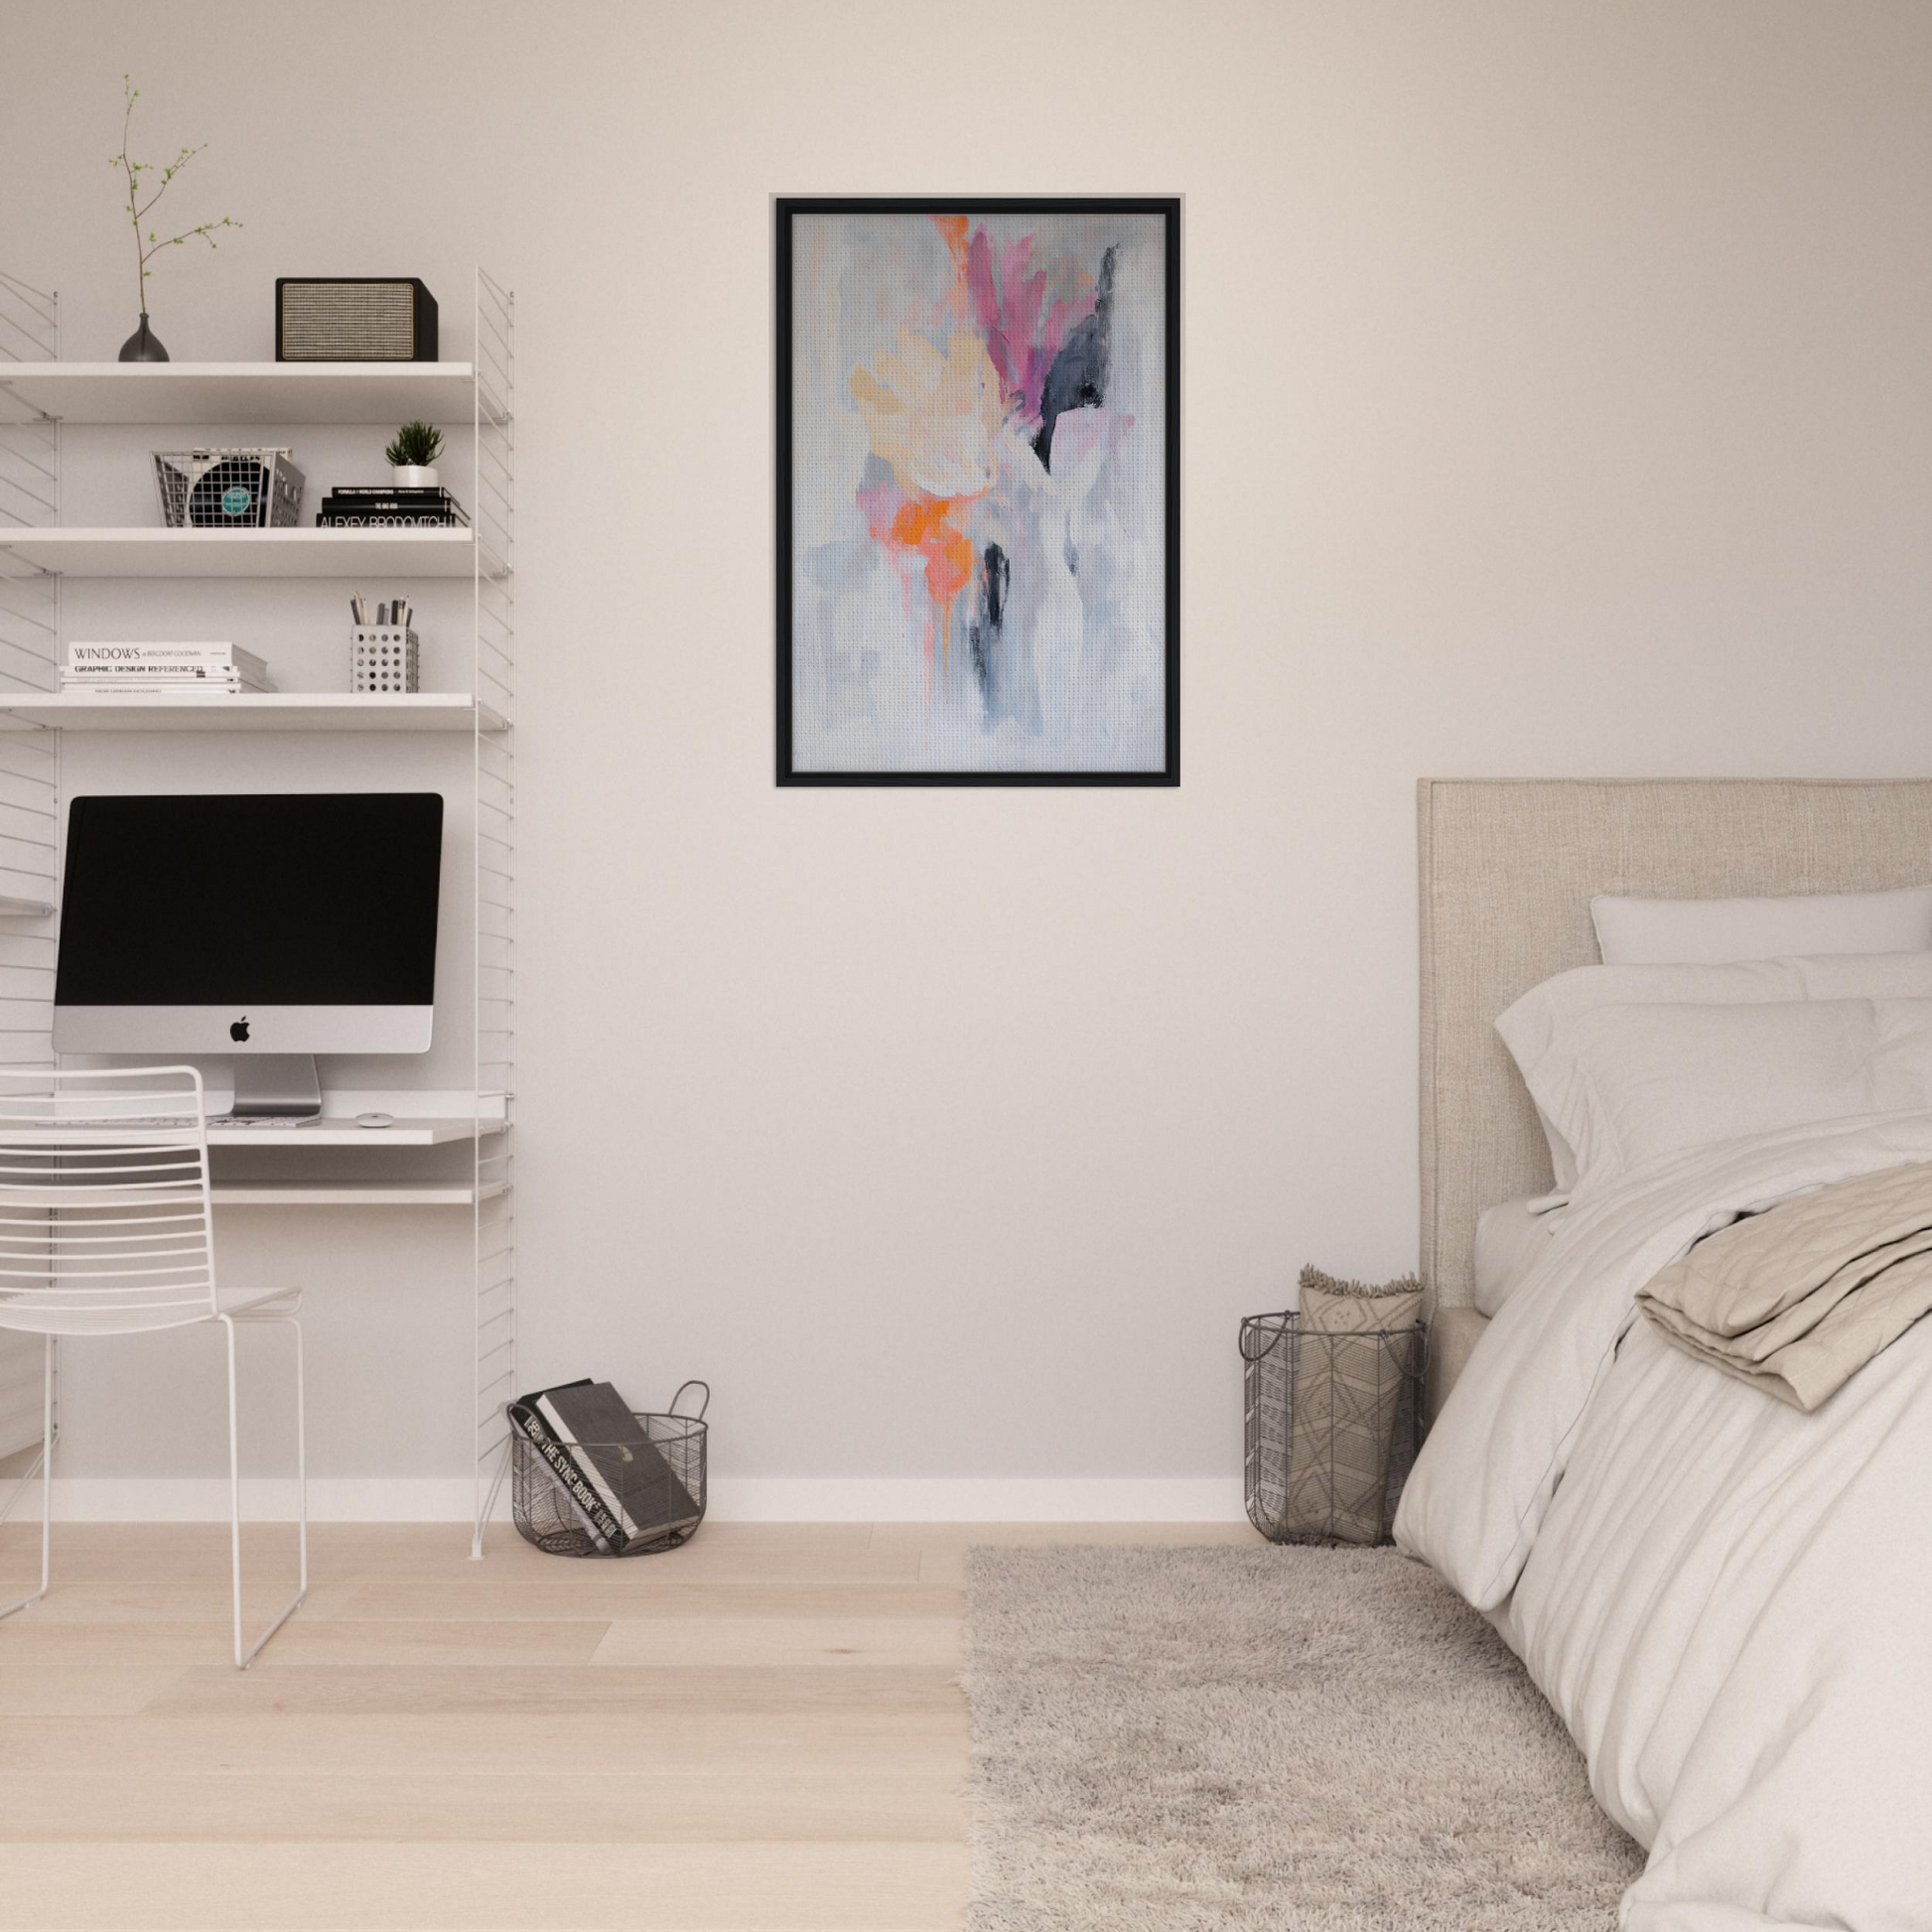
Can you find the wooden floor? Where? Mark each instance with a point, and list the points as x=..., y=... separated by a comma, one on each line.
x=759, y=1732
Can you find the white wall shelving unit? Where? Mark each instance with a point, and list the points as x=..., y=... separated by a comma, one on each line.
x=39, y=393
x=245, y=392
x=250, y=553
x=260, y=711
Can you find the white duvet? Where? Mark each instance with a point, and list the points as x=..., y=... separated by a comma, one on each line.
x=1728, y=1601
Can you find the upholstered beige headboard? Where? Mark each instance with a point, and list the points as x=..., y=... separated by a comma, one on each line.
x=1507, y=870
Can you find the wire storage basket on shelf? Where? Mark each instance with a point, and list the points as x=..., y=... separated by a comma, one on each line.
x=1332, y=1425
x=655, y=1491
x=229, y=488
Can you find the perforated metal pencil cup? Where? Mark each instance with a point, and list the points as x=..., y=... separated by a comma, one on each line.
x=384, y=659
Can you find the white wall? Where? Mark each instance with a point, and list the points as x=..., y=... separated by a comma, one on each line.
x=1557, y=400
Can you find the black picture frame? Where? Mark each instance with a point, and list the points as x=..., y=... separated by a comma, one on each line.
x=1168, y=209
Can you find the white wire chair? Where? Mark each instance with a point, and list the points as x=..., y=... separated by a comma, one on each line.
x=107, y=1229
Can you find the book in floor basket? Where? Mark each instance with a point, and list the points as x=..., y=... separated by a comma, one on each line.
x=600, y=1525
x=617, y=1478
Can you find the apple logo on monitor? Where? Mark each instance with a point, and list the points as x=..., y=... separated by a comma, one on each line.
x=239, y=1031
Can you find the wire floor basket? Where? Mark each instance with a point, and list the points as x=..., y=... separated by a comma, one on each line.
x=665, y=1514
x=1333, y=1424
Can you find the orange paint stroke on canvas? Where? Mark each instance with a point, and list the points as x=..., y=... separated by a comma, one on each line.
x=953, y=227
x=948, y=554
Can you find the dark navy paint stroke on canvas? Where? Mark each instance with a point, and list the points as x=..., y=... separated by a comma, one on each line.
x=1078, y=378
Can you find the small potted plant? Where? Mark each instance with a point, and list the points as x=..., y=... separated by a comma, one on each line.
x=412, y=455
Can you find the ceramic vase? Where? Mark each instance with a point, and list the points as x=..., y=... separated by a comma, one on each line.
x=144, y=345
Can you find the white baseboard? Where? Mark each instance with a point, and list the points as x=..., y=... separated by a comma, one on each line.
x=204, y=1499
x=977, y=1499
x=733, y=1499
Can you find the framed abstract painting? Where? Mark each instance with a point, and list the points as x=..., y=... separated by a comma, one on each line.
x=979, y=472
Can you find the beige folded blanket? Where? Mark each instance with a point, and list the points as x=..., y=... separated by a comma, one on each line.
x=1799, y=1299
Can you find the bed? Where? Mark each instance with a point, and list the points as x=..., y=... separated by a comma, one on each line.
x=1727, y=1601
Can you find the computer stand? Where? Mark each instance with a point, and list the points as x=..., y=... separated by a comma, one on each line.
x=276, y=1086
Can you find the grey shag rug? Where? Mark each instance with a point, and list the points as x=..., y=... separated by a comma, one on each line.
x=1297, y=1739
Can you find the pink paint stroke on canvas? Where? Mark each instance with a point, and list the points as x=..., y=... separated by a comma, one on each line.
x=1024, y=332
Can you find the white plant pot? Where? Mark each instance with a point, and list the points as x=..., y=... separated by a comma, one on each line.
x=413, y=476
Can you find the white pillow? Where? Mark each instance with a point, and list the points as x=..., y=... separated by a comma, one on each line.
x=1713, y=932
x=1627, y=1083
x=1511, y=1238
x=1530, y=1028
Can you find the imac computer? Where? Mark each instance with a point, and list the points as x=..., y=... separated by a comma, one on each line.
x=269, y=927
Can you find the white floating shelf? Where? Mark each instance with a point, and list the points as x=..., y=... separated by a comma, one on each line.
x=243, y=392
x=345, y=1133
x=390, y=554
x=348, y=1193
x=257, y=711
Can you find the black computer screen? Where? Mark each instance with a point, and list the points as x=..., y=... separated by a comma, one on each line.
x=251, y=898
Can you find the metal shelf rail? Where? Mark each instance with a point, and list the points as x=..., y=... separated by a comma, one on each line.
x=493, y=512
x=30, y=782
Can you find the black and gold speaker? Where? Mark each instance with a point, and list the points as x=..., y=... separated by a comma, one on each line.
x=353, y=318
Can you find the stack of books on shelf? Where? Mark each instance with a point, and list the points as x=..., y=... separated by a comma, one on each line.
x=205, y=669
x=382, y=507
